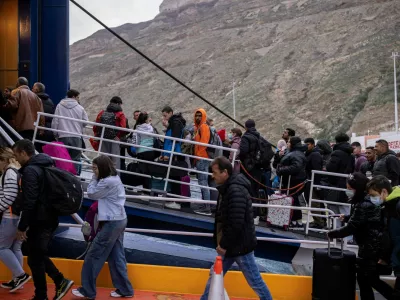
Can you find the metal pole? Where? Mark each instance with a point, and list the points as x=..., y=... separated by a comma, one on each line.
x=234, y=103
x=169, y=166
x=101, y=141
x=396, y=116
x=310, y=201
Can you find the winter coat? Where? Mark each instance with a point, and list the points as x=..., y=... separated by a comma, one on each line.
x=34, y=208
x=391, y=209
x=72, y=109
x=366, y=225
x=25, y=105
x=388, y=165
x=176, y=124
x=143, y=139
x=314, y=162
x=342, y=161
x=359, y=160
x=234, y=228
x=293, y=164
x=326, y=151
x=248, y=148
x=235, y=145
x=367, y=166
x=48, y=107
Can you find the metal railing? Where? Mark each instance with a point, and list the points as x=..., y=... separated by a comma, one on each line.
x=325, y=202
x=169, y=166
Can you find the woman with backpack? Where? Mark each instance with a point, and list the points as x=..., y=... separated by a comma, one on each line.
x=108, y=245
x=10, y=247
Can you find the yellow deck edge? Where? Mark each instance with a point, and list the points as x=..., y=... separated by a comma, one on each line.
x=185, y=280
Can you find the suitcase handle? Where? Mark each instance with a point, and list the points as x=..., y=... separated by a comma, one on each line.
x=329, y=248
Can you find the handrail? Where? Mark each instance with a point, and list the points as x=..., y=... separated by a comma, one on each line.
x=6, y=136
x=11, y=129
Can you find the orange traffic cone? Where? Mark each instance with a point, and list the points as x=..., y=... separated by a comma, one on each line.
x=217, y=291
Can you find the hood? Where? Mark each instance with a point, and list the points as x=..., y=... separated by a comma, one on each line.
x=203, y=116
x=43, y=96
x=386, y=154
x=222, y=135
x=238, y=179
x=316, y=149
x=69, y=103
x=177, y=118
x=236, y=139
x=299, y=147
x=145, y=127
x=113, y=107
x=395, y=194
x=253, y=131
x=324, y=146
x=345, y=147
x=41, y=160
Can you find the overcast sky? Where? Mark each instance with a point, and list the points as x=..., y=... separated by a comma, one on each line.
x=111, y=12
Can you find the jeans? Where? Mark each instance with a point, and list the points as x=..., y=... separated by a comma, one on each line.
x=203, y=165
x=10, y=248
x=108, y=245
x=248, y=266
x=268, y=182
x=39, y=237
x=75, y=154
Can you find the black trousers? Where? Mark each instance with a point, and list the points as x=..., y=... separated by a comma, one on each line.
x=255, y=187
x=368, y=278
x=39, y=237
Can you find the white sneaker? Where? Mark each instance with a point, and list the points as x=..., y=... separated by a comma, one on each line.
x=256, y=220
x=115, y=294
x=173, y=205
x=78, y=294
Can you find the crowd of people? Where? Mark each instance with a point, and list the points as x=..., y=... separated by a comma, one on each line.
x=241, y=179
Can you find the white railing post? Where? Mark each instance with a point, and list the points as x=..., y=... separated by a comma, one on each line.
x=101, y=141
x=36, y=128
x=310, y=200
x=234, y=159
x=169, y=166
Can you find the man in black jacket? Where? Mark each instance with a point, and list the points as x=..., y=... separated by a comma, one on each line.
x=234, y=231
x=247, y=154
x=37, y=223
x=387, y=163
x=342, y=161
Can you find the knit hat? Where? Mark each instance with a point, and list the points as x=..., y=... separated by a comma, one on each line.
x=222, y=134
x=250, y=123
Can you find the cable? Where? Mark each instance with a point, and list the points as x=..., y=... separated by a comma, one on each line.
x=154, y=63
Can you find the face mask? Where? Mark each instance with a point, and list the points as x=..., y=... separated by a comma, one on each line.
x=230, y=136
x=376, y=200
x=350, y=193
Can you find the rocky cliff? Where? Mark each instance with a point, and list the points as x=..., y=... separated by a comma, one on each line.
x=318, y=66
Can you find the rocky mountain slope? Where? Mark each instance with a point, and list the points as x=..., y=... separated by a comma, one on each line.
x=318, y=66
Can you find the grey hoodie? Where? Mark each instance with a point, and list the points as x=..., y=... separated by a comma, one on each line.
x=72, y=109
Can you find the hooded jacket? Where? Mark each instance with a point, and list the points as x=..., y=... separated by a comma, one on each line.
x=359, y=161
x=248, y=148
x=293, y=164
x=314, y=162
x=120, y=120
x=34, y=208
x=202, y=134
x=388, y=165
x=392, y=216
x=142, y=139
x=342, y=161
x=234, y=228
x=72, y=109
x=326, y=151
x=366, y=225
x=48, y=107
x=176, y=124
x=25, y=105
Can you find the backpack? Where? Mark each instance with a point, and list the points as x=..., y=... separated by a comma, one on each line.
x=108, y=118
x=215, y=140
x=264, y=153
x=16, y=207
x=66, y=194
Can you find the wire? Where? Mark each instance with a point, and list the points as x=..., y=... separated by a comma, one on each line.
x=154, y=63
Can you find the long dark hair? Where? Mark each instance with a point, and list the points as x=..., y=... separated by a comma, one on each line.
x=105, y=166
x=142, y=118
x=358, y=181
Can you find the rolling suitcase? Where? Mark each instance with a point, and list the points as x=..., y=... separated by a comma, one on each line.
x=280, y=217
x=334, y=274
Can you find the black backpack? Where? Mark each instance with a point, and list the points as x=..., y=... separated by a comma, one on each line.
x=264, y=153
x=108, y=118
x=16, y=207
x=65, y=195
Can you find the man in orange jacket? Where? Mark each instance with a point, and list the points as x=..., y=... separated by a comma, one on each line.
x=202, y=135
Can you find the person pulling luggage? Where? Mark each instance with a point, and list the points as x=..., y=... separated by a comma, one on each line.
x=366, y=225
